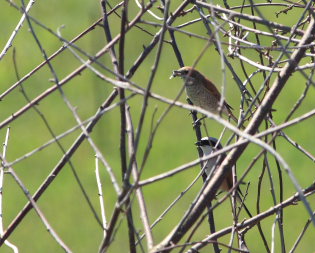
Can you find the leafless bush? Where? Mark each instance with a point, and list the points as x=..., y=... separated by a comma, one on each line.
x=256, y=56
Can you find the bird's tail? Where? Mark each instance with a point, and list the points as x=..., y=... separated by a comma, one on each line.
x=231, y=115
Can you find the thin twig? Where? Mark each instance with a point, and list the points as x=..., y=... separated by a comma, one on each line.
x=53, y=174
x=139, y=193
x=56, y=53
x=100, y=194
x=4, y=152
x=252, y=221
x=16, y=30
x=31, y=200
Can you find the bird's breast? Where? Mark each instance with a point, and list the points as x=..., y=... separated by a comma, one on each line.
x=210, y=168
x=200, y=96
x=210, y=165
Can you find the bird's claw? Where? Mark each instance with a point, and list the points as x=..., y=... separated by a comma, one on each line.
x=196, y=123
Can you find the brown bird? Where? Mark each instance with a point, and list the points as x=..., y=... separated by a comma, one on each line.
x=202, y=92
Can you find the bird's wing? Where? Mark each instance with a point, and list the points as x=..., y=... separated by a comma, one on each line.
x=211, y=87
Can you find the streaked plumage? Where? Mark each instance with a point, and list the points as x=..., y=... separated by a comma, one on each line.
x=202, y=92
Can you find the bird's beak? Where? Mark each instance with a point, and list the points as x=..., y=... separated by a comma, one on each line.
x=175, y=73
x=198, y=143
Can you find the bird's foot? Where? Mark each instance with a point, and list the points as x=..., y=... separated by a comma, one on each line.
x=196, y=123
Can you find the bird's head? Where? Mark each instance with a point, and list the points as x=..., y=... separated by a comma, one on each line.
x=208, y=144
x=189, y=74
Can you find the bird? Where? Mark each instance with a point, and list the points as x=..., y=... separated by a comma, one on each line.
x=202, y=92
x=209, y=145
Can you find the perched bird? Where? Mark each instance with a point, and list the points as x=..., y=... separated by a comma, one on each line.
x=209, y=145
x=202, y=92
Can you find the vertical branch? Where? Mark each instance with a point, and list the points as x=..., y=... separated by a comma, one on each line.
x=280, y=213
x=198, y=134
x=119, y=68
x=109, y=35
x=234, y=211
x=260, y=179
x=198, y=137
x=123, y=154
x=100, y=195
x=273, y=239
x=4, y=152
x=139, y=194
x=150, y=82
x=121, y=91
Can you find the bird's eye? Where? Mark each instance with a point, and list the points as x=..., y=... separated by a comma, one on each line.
x=185, y=72
x=205, y=143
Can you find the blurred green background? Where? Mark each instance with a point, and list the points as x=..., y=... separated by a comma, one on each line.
x=63, y=203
